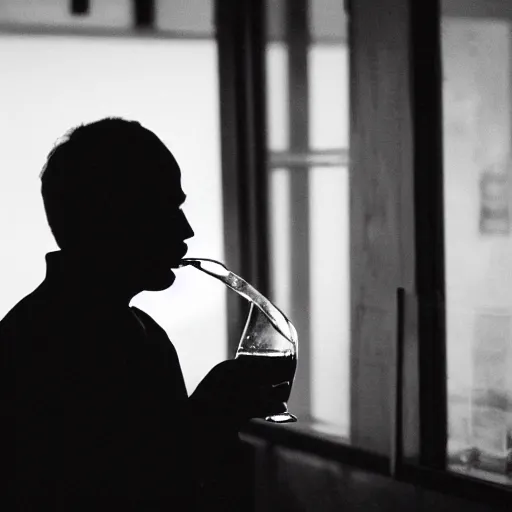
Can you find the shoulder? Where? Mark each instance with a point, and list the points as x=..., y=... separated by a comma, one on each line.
x=22, y=317
x=32, y=325
x=20, y=330
x=164, y=349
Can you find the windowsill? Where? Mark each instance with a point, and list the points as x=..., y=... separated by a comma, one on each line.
x=480, y=474
x=318, y=439
x=315, y=439
x=327, y=432
x=468, y=486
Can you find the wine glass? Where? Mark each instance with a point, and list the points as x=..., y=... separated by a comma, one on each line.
x=269, y=342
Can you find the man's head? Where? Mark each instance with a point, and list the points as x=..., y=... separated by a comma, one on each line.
x=112, y=188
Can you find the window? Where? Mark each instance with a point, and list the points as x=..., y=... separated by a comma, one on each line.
x=52, y=83
x=307, y=119
x=477, y=104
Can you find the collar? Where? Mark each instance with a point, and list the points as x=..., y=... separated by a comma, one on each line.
x=82, y=277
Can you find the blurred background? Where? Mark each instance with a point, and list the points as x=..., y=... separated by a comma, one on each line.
x=293, y=124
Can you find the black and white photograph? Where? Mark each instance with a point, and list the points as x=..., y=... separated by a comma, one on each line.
x=255, y=255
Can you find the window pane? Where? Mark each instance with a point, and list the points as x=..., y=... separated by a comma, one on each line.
x=330, y=296
x=328, y=76
x=277, y=100
x=477, y=62
x=280, y=238
x=307, y=115
x=328, y=20
x=45, y=90
x=276, y=19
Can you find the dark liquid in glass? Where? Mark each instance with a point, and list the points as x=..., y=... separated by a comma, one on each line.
x=270, y=366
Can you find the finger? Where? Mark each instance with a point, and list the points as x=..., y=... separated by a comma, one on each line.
x=276, y=393
x=281, y=385
x=272, y=407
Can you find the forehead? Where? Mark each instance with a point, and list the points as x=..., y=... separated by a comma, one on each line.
x=162, y=174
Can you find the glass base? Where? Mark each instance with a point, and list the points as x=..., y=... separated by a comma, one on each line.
x=284, y=417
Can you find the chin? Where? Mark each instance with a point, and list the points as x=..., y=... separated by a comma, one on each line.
x=160, y=281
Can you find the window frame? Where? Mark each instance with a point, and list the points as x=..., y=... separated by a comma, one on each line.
x=431, y=270
x=297, y=40
x=239, y=27
x=429, y=231
x=426, y=54
x=412, y=447
x=247, y=173
x=28, y=29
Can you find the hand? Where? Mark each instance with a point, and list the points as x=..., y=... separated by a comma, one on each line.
x=234, y=393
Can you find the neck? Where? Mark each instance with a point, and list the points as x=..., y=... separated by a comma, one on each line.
x=92, y=274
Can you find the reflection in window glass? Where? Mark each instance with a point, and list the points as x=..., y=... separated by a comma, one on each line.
x=477, y=92
x=45, y=90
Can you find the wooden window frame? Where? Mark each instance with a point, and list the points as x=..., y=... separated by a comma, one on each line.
x=396, y=110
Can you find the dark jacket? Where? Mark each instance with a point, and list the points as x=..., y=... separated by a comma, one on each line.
x=94, y=406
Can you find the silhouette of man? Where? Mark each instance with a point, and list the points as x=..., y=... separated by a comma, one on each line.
x=92, y=388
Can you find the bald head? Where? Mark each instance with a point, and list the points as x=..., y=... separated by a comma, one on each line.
x=102, y=174
x=112, y=193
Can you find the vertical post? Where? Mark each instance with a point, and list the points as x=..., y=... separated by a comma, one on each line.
x=382, y=228
x=79, y=7
x=257, y=145
x=240, y=32
x=298, y=40
x=144, y=14
x=428, y=164
x=395, y=458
